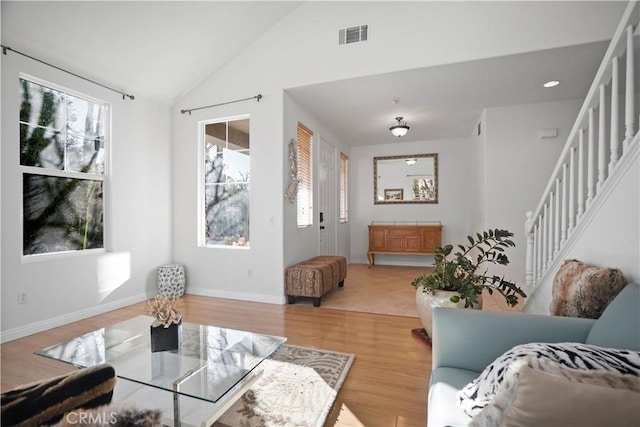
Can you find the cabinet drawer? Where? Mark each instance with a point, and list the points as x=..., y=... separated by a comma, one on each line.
x=403, y=231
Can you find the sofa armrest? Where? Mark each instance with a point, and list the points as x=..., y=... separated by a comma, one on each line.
x=472, y=339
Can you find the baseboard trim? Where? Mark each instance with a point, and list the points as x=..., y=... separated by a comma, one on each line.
x=242, y=296
x=43, y=325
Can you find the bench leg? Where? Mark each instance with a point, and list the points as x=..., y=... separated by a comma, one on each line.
x=316, y=302
x=291, y=299
x=341, y=283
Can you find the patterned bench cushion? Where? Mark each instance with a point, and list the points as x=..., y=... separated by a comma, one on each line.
x=316, y=276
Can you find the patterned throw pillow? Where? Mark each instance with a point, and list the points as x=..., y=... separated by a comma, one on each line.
x=583, y=290
x=476, y=395
x=45, y=402
x=112, y=416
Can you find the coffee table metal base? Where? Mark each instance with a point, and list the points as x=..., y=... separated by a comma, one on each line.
x=187, y=411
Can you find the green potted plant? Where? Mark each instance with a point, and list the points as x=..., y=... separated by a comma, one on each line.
x=459, y=278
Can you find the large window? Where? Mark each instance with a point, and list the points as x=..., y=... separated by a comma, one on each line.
x=226, y=179
x=305, y=188
x=63, y=139
x=344, y=188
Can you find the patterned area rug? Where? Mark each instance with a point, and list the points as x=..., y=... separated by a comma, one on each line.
x=298, y=388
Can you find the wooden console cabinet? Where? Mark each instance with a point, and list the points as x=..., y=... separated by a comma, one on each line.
x=398, y=238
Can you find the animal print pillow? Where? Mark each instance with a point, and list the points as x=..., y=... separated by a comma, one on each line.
x=476, y=395
x=583, y=290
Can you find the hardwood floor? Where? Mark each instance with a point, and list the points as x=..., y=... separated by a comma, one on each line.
x=386, y=386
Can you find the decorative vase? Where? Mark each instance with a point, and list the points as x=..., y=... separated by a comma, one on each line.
x=164, y=339
x=425, y=301
x=171, y=280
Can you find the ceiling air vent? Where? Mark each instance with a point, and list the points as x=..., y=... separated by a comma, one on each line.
x=353, y=34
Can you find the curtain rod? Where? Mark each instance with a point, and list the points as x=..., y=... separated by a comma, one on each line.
x=124, y=95
x=258, y=97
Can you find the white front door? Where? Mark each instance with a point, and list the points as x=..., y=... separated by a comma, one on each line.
x=327, y=194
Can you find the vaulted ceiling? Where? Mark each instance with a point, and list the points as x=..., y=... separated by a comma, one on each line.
x=164, y=49
x=161, y=49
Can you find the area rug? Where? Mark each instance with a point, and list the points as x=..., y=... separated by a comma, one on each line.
x=298, y=388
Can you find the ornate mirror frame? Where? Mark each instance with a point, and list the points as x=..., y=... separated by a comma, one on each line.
x=405, y=179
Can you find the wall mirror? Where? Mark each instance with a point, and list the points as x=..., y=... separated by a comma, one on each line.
x=405, y=179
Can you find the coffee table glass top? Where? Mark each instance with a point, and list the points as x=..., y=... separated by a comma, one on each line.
x=209, y=362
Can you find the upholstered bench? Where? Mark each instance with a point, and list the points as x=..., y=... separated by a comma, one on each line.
x=315, y=277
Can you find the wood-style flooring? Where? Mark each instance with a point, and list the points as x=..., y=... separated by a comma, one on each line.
x=386, y=386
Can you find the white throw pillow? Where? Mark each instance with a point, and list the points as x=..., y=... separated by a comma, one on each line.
x=518, y=400
x=479, y=393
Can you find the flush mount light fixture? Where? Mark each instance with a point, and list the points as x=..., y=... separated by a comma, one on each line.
x=551, y=83
x=411, y=162
x=399, y=128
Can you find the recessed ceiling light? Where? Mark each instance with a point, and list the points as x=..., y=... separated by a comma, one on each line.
x=551, y=83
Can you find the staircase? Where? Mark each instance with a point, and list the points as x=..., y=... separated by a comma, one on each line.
x=598, y=161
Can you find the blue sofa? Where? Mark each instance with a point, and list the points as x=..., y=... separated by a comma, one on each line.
x=466, y=341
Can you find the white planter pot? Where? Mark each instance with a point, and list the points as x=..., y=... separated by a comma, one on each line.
x=425, y=301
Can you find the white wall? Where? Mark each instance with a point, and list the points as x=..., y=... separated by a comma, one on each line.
x=451, y=210
x=138, y=214
x=518, y=166
x=478, y=196
x=253, y=273
x=611, y=239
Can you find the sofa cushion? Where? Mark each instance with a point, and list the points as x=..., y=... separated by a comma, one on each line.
x=478, y=394
x=619, y=324
x=443, y=407
x=519, y=402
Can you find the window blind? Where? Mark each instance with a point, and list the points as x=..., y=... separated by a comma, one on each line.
x=344, y=188
x=305, y=185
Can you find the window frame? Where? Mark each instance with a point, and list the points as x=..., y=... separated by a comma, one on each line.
x=200, y=214
x=57, y=173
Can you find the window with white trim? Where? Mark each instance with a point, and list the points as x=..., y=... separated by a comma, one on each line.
x=225, y=182
x=63, y=141
x=305, y=185
x=344, y=188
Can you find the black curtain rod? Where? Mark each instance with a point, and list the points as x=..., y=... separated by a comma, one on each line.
x=124, y=95
x=258, y=97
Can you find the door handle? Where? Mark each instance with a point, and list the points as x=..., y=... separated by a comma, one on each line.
x=322, y=227
x=321, y=217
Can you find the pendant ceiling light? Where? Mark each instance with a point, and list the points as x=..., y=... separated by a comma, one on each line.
x=399, y=128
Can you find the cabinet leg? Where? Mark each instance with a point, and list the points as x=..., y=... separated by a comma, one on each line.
x=370, y=257
x=316, y=302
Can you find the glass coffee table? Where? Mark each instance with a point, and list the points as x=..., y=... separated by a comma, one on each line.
x=196, y=384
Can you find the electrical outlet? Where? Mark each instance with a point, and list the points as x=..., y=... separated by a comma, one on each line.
x=250, y=272
x=22, y=298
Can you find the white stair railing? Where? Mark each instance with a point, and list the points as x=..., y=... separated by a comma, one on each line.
x=575, y=184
